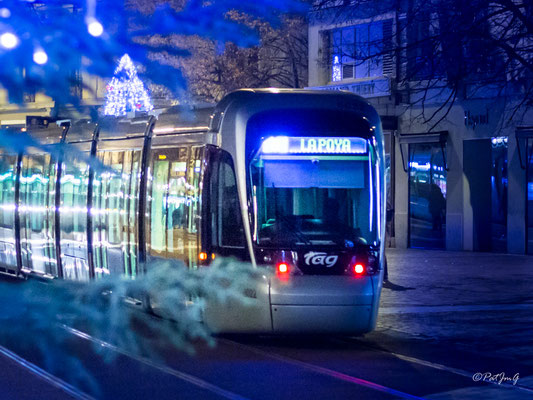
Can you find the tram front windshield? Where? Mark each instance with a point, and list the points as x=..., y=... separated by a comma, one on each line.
x=323, y=200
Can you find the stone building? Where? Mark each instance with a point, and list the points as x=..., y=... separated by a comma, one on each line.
x=458, y=177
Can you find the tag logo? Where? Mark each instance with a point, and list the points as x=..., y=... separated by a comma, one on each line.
x=317, y=258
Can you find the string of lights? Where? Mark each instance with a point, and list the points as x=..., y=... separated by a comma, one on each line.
x=9, y=40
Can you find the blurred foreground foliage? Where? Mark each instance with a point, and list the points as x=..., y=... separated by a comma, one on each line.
x=35, y=316
x=59, y=28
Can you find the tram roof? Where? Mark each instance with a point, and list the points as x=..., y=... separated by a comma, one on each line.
x=45, y=129
x=197, y=119
x=124, y=128
x=80, y=131
x=184, y=119
x=273, y=98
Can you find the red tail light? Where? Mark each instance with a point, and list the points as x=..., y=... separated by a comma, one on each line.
x=358, y=269
x=283, y=269
x=362, y=265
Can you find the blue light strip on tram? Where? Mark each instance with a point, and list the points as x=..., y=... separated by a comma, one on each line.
x=371, y=194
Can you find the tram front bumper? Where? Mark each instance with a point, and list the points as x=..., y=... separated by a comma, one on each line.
x=322, y=304
x=302, y=304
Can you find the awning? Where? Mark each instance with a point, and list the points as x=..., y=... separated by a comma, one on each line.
x=405, y=139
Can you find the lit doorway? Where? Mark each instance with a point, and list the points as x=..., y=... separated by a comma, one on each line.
x=427, y=196
x=499, y=195
x=529, y=194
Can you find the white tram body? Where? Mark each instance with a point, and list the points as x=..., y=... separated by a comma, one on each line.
x=289, y=180
x=291, y=132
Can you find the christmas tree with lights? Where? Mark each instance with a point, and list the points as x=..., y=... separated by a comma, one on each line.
x=126, y=92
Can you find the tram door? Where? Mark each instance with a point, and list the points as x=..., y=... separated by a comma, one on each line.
x=8, y=258
x=427, y=196
x=115, y=214
x=174, y=204
x=224, y=215
x=37, y=214
x=73, y=220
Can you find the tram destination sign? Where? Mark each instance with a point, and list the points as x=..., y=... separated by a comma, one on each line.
x=313, y=145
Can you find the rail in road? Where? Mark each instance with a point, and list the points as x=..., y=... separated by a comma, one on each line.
x=39, y=373
x=233, y=396
x=312, y=368
x=163, y=368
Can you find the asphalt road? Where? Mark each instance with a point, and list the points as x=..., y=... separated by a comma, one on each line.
x=447, y=321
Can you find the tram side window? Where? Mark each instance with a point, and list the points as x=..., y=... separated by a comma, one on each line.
x=7, y=190
x=174, y=203
x=158, y=200
x=7, y=210
x=193, y=177
x=115, y=197
x=33, y=186
x=114, y=207
x=74, y=197
x=230, y=232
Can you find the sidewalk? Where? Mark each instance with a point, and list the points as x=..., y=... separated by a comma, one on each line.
x=480, y=301
x=452, y=278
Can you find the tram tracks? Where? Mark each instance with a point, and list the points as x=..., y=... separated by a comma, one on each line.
x=328, y=372
x=362, y=382
x=198, y=382
x=442, y=367
x=233, y=396
x=45, y=376
x=311, y=367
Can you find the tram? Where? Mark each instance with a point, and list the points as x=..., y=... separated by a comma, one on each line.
x=289, y=180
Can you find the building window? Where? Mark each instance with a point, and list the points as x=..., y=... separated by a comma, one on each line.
x=29, y=97
x=359, y=51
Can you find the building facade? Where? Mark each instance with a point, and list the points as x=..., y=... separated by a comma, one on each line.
x=90, y=90
x=460, y=171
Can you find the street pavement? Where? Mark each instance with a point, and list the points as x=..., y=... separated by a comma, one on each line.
x=449, y=323
x=477, y=301
x=479, y=304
